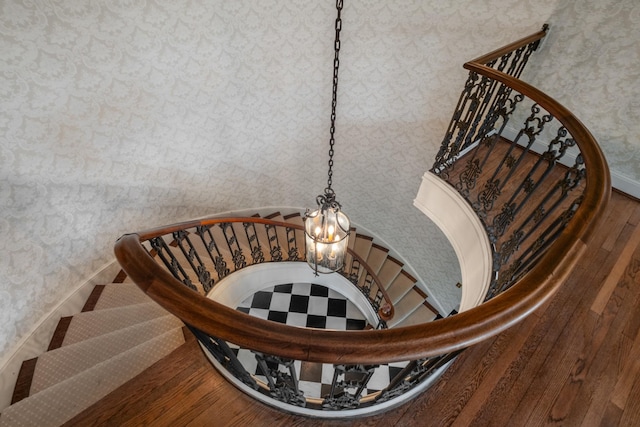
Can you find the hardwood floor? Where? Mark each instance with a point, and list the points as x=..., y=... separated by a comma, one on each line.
x=574, y=362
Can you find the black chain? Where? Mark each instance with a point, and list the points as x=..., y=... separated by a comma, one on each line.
x=336, y=66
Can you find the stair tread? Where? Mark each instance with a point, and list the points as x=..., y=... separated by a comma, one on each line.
x=119, y=295
x=377, y=256
x=389, y=271
x=421, y=314
x=59, y=403
x=402, y=284
x=89, y=324
x=409, y=302
x=362, y=245
x=57, y=365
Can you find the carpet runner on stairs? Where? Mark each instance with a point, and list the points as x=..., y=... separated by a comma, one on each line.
x=121, y=332
x=123, y=335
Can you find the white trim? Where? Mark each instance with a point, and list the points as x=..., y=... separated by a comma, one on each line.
x=625, y=184
x=240, y=285
x=37, y=340
x=457, y=220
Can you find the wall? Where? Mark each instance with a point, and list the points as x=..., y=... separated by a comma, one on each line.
x=120, y=115
x=590, y=62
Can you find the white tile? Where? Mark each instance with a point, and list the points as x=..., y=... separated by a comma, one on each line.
x=261, y=313
x=327, y=373
x=301, y=289
x=380, y=378
x=310, y=389
x=353, y=312
x=318, y=306
x=337, y=323
x=280, y=302
x=335, y=295
x=297, y=319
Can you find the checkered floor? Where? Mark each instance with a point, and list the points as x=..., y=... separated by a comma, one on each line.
x=314, y=306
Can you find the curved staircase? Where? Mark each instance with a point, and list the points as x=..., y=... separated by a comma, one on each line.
x=529, y=170
x=120, y=332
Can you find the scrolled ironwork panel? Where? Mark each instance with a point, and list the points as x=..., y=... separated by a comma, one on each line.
x=257, y=255
x=171, y=262
x=282, y=379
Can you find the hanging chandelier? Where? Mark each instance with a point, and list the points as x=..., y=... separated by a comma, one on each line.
x=327, y=228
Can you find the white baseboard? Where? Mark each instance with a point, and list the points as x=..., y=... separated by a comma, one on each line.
x=37, y=340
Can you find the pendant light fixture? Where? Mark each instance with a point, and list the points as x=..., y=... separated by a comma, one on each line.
x=327, y=228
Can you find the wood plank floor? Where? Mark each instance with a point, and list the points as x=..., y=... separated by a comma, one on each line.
x=574, y=362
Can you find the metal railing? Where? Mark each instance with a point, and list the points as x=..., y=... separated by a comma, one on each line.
x=537, y=213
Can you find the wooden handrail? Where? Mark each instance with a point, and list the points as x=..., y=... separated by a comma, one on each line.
x=386, y=310
x=492, y=56
x=403, y=343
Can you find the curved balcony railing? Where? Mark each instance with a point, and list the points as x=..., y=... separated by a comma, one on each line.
x=533, y=174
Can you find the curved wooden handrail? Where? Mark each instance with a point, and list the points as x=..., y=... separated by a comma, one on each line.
x=386, y=310
x=492, y=56
x=404, y=343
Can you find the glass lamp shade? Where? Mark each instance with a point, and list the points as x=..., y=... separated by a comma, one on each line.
x=327, y=236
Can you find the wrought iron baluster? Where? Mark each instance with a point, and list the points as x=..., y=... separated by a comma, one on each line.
x=292, y=246
x=209, y=242
x=283, y=386
x=238, y=257
x=224, y=355
x=274, y=245
x=189, y=251
x=257, y=255
x=413, y=374
x=347, y=377
x=171, y=262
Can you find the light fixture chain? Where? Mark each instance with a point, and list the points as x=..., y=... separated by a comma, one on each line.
x=336, y=66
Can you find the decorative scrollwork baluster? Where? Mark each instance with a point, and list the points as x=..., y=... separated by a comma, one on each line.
x=224, y=355
x=216, y=257
x=281, y=378
x=346, y=378
x=272, y=236
x=171, y=262
x=257, y=256
x=181, y=238
x=239, y=260
x=292, y=253
x=413, y=374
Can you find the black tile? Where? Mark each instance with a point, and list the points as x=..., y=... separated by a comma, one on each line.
x=285, y=289
x=261, y=300
x=278, y=316
x=356, y=325
x=319, y=291
x=337, y=307
x=243, y=309
x=299, y=304
x=271, y=365
x=325, y=390
x=393, y=371
x=311, y=371
x=316, y=321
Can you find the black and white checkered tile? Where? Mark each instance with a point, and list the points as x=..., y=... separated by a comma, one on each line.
x=313, y=306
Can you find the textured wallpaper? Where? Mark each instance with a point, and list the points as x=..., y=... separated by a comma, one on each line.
x=120, y=115
x=591, y=64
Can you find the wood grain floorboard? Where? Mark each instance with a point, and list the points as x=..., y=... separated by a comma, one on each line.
x=574, y=362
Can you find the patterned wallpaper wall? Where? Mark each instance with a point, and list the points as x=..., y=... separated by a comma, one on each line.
x=120, y=115
x=591, y=64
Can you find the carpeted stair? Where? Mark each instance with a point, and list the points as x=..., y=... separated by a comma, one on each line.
x=121, y=332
